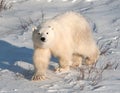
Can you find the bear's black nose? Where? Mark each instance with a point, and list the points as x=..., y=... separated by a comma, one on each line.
x=42, y=39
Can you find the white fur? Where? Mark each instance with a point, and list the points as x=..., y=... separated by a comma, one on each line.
x=69, y=38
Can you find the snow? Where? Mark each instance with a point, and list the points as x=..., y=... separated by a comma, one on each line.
x=16, y=47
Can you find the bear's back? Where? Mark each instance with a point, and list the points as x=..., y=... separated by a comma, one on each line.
x=72, y=21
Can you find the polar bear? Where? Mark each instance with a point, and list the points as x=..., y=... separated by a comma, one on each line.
x=66, y=36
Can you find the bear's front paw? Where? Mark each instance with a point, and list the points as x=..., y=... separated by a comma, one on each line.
x=37, y=77
x=62, y=70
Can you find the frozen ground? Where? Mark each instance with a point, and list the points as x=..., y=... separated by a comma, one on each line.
x=16, y=48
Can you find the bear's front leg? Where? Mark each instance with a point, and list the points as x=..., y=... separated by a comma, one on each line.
x=64, y=64
x=41, y=60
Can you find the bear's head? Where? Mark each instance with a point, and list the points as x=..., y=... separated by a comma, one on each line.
x=43, y=36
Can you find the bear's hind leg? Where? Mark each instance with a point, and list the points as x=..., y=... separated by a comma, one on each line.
x=76, y=60
x=92, y=59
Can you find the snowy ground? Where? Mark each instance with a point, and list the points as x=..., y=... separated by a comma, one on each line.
x=16, y=48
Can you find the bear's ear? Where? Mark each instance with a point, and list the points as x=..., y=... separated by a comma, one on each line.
x=34, y=28
x=50, y=27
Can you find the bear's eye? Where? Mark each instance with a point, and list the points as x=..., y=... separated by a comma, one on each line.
x=38, y=33
x=47, y=33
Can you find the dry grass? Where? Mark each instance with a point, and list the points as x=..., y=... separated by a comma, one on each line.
x=91, y=74
x=4, y=5
x=106, y=46
x=24, y=24
x=89, y=77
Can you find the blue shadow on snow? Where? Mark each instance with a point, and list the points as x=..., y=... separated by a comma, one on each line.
x=9, y=54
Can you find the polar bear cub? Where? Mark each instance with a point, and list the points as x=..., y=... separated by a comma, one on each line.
x=66, y=36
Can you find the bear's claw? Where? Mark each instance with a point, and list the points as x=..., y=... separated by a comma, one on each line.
x=62, y=70
x=38, y=77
